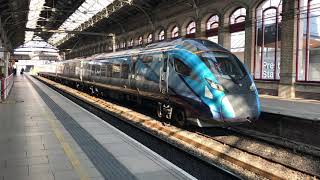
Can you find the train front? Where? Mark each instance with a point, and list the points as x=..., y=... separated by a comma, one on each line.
x=228, y=88
x=236, y=96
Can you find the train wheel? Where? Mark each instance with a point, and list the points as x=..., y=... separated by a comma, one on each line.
x=179, y=117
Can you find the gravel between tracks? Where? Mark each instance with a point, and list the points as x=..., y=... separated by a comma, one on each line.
x=300, y=161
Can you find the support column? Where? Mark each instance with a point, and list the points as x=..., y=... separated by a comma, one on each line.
x=114, y=45
x=288, y=49
x=249, y=41
x=200, y=33
x=224, y=36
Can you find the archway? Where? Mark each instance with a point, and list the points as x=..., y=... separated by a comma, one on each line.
x=268, y=40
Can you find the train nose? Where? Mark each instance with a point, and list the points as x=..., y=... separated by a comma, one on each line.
x=238, y=108
x=227, y=110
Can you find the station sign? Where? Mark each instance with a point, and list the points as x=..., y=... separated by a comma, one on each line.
x=268, y=68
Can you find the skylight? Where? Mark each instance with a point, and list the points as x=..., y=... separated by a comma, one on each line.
x=86, y=11
x=35, y=8
x=37, y=44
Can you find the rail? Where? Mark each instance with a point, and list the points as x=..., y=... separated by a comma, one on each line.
x=5, y=87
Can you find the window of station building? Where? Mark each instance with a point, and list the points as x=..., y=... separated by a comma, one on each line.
x=237, y=30
x=212, y=28
x=161, y=35
x=191, y=30
x=175, y=32
x=140, y=40
x=149, y=38
x=130, y=43
x=308, y=41
x=268, y=40
x=110, y=48
x=123, y=44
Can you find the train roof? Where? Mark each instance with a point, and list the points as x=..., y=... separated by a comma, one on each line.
x=193, y=45
x=118, y=54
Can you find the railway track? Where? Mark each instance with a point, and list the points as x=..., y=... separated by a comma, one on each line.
x=295, y=167
x=289, y=144
x=190, y=142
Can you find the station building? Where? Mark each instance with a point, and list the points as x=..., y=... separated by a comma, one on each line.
x=278, y=40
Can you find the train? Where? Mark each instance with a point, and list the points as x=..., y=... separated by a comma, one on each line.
x=190, y=81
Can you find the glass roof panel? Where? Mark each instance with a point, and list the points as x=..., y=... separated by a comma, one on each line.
x=35, y=8
x=37, y=44
x=86, y=11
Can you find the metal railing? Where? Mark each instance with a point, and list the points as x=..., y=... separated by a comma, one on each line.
x=5, y=86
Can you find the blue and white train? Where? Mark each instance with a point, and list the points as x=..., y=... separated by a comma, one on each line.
x=191, y=81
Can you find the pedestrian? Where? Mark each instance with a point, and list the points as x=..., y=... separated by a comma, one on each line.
x=22, y=70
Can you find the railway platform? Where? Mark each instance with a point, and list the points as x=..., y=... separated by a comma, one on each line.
x=300, y=108
x=43, y=135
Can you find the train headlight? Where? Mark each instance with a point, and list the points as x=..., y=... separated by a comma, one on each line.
x=215, y=85
x=253, y=87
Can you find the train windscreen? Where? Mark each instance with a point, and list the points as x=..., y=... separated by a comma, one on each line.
x=223, y=64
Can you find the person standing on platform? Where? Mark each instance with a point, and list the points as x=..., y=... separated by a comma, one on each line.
x=22, y=70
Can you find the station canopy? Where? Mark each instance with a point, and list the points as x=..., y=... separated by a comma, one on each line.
x=42, y=14
x=53, y=19
x=37, y=44
x=87, y=10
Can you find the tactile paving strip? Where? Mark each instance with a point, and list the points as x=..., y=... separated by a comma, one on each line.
x=104, y=161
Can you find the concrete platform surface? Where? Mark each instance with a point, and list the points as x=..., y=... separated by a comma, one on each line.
x=301, y=108
x=43, y=135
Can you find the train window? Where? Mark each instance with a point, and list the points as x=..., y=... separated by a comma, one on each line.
x=109, y=70
x=224, y=65
x=165, y=58
x=165, y=65
x=147, y=59
x=103, y=70
x=93, y=70
x=87, y=69
x=97, y=70
x=116, y=70
x=125, y=71
x=157, y=57
x=181, y=68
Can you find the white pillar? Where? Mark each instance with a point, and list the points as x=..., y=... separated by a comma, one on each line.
x=114, y=45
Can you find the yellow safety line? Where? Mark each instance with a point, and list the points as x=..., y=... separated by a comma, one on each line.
x=67, y=149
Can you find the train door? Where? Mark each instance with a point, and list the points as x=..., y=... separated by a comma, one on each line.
x=164, y=75
x=81, y=71
x=133, y=72
x=164, y=108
